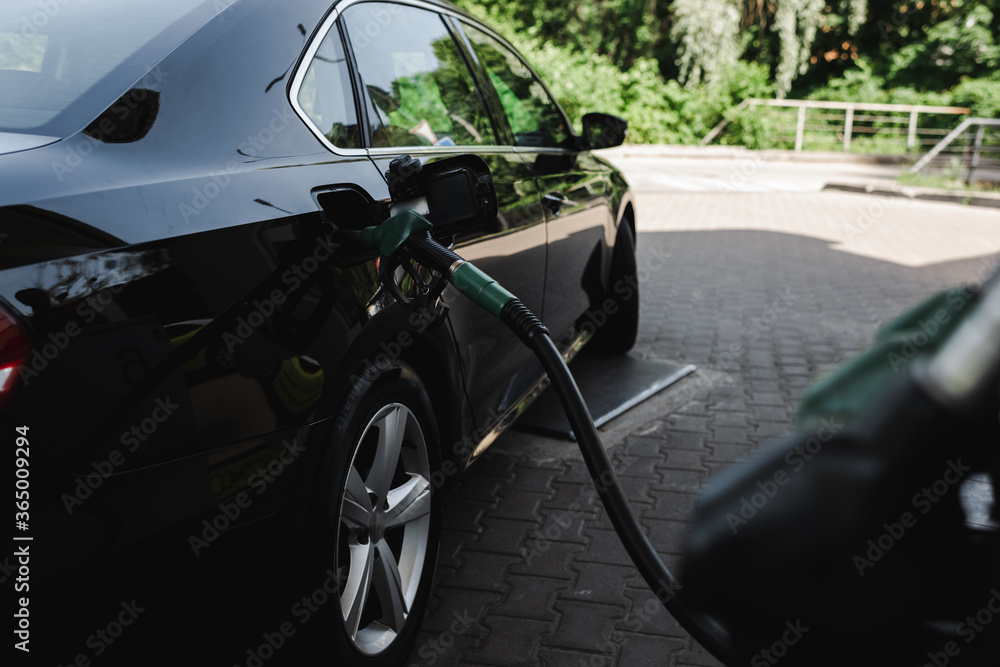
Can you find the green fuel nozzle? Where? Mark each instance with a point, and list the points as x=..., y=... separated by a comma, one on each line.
x=406, y=236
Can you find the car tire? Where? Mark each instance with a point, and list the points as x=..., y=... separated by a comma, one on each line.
x=619, y=333
x=382, y=516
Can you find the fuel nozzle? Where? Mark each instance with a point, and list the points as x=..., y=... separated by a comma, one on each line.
x=407, y=236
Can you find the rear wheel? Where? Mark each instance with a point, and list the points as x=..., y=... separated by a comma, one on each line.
x=619, y=333
x=382, y=519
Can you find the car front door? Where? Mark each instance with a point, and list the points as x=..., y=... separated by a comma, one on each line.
x=421, y=99
x=573, y=186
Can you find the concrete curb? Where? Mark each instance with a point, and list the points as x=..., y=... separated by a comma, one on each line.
x=985, y=199
x=740, y=152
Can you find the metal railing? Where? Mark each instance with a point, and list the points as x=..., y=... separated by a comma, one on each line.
x=970, y=151
x=822, y=125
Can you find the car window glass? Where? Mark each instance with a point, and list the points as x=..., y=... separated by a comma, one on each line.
x=55, y=56
x=534, y=118
x=325, y=95
x=416, y=78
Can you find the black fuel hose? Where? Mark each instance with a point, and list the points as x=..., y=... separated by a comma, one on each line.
x=406, y=236
x=705, y=630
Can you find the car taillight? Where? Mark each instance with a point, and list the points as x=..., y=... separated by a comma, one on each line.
x=13, y=353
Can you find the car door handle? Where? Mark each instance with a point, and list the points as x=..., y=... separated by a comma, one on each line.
x=554, y=201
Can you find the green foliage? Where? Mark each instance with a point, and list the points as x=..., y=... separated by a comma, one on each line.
x=982, y=97
x=797, y=22
x=707, y=35
x=964, y=44
x=610, y=55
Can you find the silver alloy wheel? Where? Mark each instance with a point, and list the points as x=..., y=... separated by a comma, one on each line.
x=382, y=526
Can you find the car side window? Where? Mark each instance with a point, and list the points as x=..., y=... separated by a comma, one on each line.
x=326, y=96
x=420, y=88
x=534, y=118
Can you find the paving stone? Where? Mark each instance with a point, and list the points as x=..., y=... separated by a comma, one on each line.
x=531, y=479
x=665, y=536
x=483, y=571
x=637, y=466
x=459, y=611
x=680, y=480
x=584, y=626
x=672, y=506
x=599, y=582
x=670, y=439
x=769, y=413
x=503, y=536
x=572, y=496
x=519, y=504
x=437, y=650
x=685, y=460
x=727, y=452
x=512, y=642
x=604, y=547
x=647, y=650
x=688, y=423
x=696, y=656
x=531, y=597
x=768, y=429
x=549, y=657
x=647, y=614
x=728, y=434
x=545, y=558
x=767, y=398
x=734, y=419
x=452, y=542
x=465, y=516
x=481, y=488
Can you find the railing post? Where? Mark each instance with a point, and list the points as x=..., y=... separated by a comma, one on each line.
x=976, y=145
x=848, y=128
x=911, y=134
x=800, y=129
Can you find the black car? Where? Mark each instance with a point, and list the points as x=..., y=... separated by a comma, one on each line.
x=198, y=376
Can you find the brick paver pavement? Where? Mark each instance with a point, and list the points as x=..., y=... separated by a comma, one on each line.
x=530, y=572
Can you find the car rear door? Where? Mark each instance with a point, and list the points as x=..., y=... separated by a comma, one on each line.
x=421, y=99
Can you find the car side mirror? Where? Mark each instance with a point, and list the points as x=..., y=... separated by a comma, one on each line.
x=602, y=130
x=455, y=191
